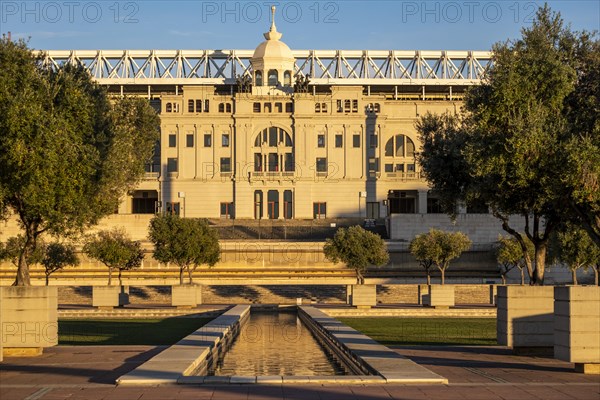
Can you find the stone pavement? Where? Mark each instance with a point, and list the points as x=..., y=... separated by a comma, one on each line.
x=482, y=373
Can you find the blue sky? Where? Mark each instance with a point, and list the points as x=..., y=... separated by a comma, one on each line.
x=195, y=24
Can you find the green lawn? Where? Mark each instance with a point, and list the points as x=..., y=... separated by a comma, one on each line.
x=451, y=331
x=126, y=331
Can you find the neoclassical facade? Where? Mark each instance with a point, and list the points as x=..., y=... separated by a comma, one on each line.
x=275, y=144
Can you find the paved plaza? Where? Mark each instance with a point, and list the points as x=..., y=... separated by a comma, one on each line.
x=487, y=373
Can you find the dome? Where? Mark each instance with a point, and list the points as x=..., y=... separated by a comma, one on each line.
x=273, y=49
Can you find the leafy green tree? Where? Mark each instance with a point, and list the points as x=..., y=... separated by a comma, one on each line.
x=357, y=248
x=439, y=248
x=115, y=250
x=574, y=248
x=67, y=151
x=419, y=248
x=510, y=144
x=58, y=256
x=11, y=251
x=185, y=242
x=510, y=255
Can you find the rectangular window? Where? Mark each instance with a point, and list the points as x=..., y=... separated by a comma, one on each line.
x=225, y=164
x=207, y=140
x=225, y=140
x=228, y=107
x=354, y=106
x=339, y=141
x=434, y=206
x=227, y=210
x=272, y=137
x=320, y=140
x=172, y=208
x=191, y=106
x=198, y=105
x=389, y=167
x=172, y=140
x=206, y=105
x=278, y=107
x=322, y=164
x=189, y=140
x=347, y=106
x=171, y=164
x=256, y=107
x=267, y=107
x=355, y=140
x=319, y=210
x=339, y=106
x=289, y=107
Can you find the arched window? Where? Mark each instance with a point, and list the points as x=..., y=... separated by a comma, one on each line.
x=400, y=146
x=274, y=150
x=287, y=78
x=221, y=107
x=273, y=78
x=228, y=107
x=258, y=78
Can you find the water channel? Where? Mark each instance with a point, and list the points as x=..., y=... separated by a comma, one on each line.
x=276, y=343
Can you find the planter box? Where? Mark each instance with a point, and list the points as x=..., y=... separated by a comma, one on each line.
x=364, y=296
x=186, y=295
x=525, y=319
x=577, y=326
x=110, y=296
x=439, y=296
x=29, y=319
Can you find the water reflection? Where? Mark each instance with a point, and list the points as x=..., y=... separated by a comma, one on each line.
x=276, y=344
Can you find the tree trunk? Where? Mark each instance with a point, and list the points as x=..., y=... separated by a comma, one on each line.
x=428, y=278
x=47, y=278
x=522, y=276
x=503, y=279
x=109, y=276
x=517, y=235
x=23, y=278
x=190, y=271
x=359, y=278
x=574, y=275
x=443, y=272
x=540, y=264
x=181, y=275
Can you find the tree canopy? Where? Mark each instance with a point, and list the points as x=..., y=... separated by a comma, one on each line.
x=58, y=256
x=510, y=255
x=512, y=144
x=185, y=242
x=573, y=246
x=68, y=152
x=115, y=250
x=357, y=248
x=439, y=248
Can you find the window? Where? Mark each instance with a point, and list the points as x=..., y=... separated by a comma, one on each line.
x=207, y=140
x=225, y=164
x=225, y=140
x=288, y=204
x=347, y=106
x=373, y=140
x=169, y=107
x=189, y=140
x=289, y=162
x=206, y=104
x=321, y=140
x=226, y=210
x=278, y=107
x=257, y=162
x=273, y=79
x=354, y=106
x=267, y=108
x=273, y=162
x=273, y=204
x=258, y=77
x=377, y=108
x=373, y=166
x=273, y=136
x=322, y=164
x=318, y=107
x=323, y=107
x=319, y=210
x=171, y=164
x=339, y=140
x=339, y=106
x=389, y=167
x=191, y=106
x=355, y=140
x=198, y=106
x=400, y=146
x=172, y=140
x=172, y=208
x=289, y=107
x=228, y=107
x=287, y=78
x=221, y=107
x=256, y=107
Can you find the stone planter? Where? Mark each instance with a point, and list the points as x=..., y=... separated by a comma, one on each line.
x=29, y=317
x=525, y=319
x=186, y=296
x=577, y=327
x=110, y=296
x=439, y=296
x=363, y=296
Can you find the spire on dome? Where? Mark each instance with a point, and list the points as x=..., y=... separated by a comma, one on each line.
x=272, y=34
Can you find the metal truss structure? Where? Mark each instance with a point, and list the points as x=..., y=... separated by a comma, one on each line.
x=324, y=67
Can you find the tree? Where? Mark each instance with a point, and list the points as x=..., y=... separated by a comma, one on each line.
x=115, y=250
x=67, y=151
x=419, y=248
x=11, y=251
x=185, y=242
x=510, y=143
x=58, y=256
x=510, y=255
x=575, y=248
x=439, y=248
x=357, y=248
